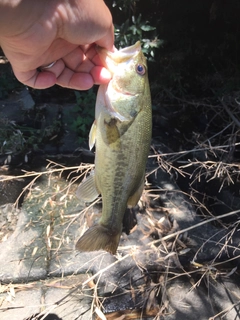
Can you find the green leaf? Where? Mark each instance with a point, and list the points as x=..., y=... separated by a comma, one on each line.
x=146, y=27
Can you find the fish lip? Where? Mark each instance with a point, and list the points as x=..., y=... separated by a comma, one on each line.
x=124, y=53
x=121, y=54
x=111, y=59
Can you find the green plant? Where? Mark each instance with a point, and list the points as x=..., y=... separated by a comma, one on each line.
x=11, y=138
x=135, y=29
x=85, y=113
x=16, y=138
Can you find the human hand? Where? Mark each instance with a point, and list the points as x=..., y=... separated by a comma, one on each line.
x=56, y=30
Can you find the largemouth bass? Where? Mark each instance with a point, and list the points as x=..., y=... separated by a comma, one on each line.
x=122, y=134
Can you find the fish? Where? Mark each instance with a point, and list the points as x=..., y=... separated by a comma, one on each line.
x=121, y=134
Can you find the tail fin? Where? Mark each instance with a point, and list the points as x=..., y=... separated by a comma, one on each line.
x=99, y=237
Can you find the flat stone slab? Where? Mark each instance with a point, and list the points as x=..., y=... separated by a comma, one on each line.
x=48, y=297
x=20, y=305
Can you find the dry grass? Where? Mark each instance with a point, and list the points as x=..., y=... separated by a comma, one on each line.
x=166, y=250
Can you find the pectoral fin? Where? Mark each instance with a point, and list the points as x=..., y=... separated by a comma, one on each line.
x=92, y=135
x=133, y=200
x=87, y=190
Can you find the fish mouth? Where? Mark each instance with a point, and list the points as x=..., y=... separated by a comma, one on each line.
x=124, y=54
x=111, y=59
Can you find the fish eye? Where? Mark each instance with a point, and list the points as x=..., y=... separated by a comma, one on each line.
x=140, y=69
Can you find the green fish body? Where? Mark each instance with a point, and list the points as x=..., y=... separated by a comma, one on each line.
x=122, y=135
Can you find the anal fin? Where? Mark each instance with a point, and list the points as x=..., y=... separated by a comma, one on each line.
x=133, y=199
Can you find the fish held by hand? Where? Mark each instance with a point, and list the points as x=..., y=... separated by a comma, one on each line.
x=121, y=133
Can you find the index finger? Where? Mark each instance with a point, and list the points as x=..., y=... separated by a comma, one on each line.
x=107, y=41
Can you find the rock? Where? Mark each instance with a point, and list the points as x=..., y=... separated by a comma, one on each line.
x=26, y=99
